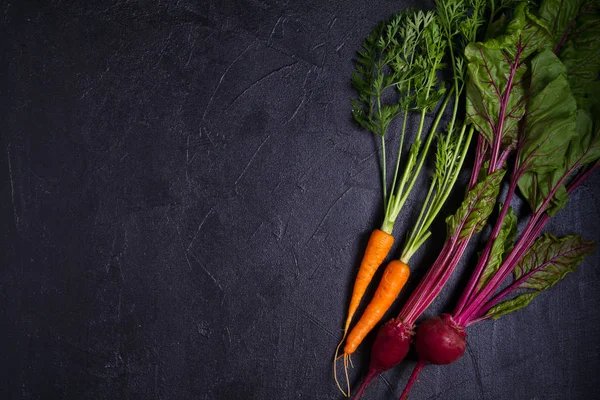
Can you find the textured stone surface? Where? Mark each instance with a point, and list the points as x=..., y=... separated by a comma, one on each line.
x=186, y=200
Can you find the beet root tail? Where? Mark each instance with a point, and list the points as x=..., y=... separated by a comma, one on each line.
x=413, y=378
x=372, y=374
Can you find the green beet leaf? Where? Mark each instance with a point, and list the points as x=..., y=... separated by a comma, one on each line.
x=496, y=88
x=550, y=259
x=575, y=26
x=474, y=211
x=585, y=149
x=550, y=126
x=582, y=150
x=551, y=116
x=506, y=307
x=558, y=14
x=502, y=246
x=547, y=262
x=537, y=187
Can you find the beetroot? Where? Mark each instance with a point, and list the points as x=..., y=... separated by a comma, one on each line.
x=389, y=349
x=440, y=340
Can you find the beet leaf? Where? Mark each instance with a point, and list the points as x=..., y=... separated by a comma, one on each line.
x=550, y=124
x=475, y=209
x=551, y=116
x=545, y=263
x=496, y=88
x=502, y=246
x=575, y=25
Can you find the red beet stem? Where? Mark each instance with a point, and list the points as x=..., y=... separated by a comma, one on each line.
x=412, y=379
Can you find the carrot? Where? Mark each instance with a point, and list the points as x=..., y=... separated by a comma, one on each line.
x=394, y=278
x=377, y=250
x=378, y=247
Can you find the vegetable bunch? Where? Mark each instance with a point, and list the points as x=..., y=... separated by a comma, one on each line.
x=531, y=93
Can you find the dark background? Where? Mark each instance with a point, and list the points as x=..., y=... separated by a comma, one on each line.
x=186, y=200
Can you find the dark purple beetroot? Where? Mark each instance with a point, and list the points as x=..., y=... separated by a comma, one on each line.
x=389, y=349
x=440, y=340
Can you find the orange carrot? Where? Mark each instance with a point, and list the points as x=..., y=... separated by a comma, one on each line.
x=380, y=244
x=377, y=250
x=394, y=278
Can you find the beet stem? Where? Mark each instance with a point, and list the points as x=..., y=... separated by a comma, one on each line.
x=473, y=309
x=479, y=156
x=412, y=379
x=370, y=375
x=483, y=259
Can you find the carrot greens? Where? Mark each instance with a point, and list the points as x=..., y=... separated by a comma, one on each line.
x=403, y=57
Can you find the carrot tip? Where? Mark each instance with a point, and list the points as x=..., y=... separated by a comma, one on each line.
x=346, y=372
x=336, y=358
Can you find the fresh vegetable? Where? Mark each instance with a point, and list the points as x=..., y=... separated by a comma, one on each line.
x=557, y=147
x=378, y=248
x=515, y=110
x=438, y=341
x=451, y=147
x=394, y=277
x=450, y=155
x=478, y=203
x=389, y=349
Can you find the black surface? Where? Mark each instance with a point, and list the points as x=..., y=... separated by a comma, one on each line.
x=186, y=200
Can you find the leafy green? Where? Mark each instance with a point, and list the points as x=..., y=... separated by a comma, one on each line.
x=508, y=306
x=486, y=87
x=474, y=211
x=501, y=248
x=587, y=145
x=575, y=25
x=546, y=262
x=551, y=116
x=558, y=15
x=582, y=149
x=550, y=125
x=537, y=187
x=379, y=69
x=557, y=137
x=571, y=136
x=549, y=259
x=496, y=88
